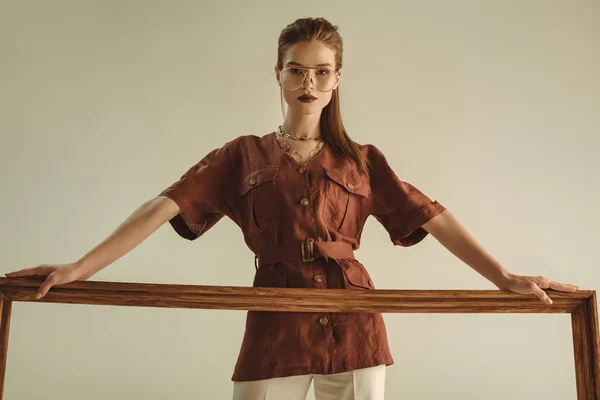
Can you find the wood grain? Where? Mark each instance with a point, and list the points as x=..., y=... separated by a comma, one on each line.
x=582, y=305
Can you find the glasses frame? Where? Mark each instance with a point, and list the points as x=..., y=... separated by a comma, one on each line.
x=337, y=77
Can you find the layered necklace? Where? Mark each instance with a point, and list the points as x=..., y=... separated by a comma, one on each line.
x=293, y=153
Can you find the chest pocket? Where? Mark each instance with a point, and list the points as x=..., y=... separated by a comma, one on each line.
x=345, y=198
x=258, y=194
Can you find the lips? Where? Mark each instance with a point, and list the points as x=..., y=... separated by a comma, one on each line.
x=306, y=97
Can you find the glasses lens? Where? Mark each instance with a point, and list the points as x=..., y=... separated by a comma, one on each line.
x=292, y=78
x=323, y=79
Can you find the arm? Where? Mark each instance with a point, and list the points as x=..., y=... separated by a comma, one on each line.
x=452, y=235
x=135, y=229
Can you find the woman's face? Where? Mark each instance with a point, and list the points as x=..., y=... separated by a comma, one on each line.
x=308, y=54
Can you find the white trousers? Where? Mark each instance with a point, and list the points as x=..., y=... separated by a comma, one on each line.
x=360, y=384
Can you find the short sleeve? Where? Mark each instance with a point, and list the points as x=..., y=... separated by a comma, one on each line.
x=399, y=206
x=203, y=193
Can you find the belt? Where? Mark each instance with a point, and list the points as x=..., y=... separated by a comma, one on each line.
x=304, y=251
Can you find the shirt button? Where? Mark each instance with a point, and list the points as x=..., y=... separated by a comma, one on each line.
x=350, y=185
x=252, y=181
x=301, y=170
x=318, y=278
x=304, y=201
x=323, y=320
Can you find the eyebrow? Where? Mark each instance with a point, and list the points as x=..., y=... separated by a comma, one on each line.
x=318, y=65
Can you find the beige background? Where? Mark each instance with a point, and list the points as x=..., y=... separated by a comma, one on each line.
x=490, y=107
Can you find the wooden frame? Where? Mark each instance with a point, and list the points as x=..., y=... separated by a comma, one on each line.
x=582, y=306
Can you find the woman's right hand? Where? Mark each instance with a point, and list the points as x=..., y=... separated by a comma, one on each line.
x=58, y=274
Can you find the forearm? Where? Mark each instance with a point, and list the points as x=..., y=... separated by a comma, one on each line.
x=446, y=228
x=134, y=230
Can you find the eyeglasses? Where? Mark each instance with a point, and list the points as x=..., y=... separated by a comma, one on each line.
x=324, y=79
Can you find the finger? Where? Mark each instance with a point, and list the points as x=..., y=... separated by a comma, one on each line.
x=541, y=294
x=565, y=287
x=44, y=287
x=39, y=270
x=21, y=272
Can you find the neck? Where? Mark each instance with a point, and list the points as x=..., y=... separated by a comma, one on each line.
x=305, y=125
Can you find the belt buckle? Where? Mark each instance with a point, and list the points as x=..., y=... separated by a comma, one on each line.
x=311, y=256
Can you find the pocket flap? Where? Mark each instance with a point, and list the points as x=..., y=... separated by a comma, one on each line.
x=356, y=184
x=357, y=275
x=256, y=178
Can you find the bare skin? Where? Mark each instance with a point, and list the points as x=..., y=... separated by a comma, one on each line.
x=302, y=119
x=447, y=229
x=135, y=229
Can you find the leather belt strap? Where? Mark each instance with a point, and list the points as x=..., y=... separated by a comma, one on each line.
x=304, y=251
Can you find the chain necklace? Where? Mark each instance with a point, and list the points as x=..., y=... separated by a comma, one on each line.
x=287, y=135
x=292, y=152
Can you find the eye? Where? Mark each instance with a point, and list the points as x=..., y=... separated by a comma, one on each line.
x=323, y=71
x=297, y=71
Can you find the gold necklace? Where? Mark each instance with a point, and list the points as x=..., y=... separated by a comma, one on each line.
x=292, y=152
x=288, y=135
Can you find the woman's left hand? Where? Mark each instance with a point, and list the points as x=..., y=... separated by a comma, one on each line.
x=534, y=285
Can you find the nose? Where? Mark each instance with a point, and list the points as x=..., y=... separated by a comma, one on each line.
x=309, y=76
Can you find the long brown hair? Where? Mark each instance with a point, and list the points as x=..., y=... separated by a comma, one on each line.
x=331, y=125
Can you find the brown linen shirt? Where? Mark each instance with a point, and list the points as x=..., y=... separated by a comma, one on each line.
x=303, y=224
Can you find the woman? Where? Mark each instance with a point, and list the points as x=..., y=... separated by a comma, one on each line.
x=301, y=195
